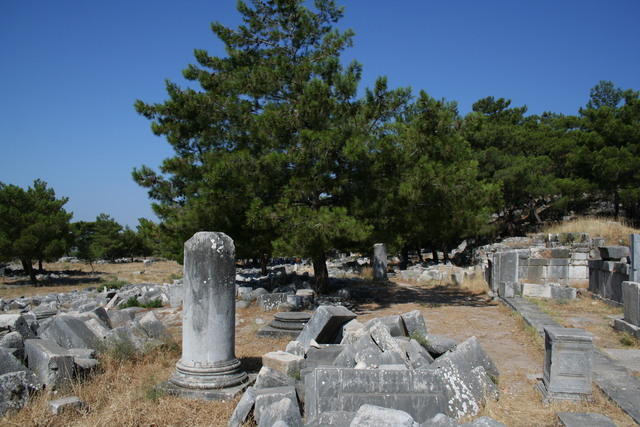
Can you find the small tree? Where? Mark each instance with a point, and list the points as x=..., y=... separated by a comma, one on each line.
x=33, y=225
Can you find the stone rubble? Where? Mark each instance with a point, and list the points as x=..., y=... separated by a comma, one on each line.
x=342, y=372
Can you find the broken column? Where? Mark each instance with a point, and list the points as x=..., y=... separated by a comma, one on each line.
x=208, y=368
x=567, y=364
x=631, y=302
x=379, y=262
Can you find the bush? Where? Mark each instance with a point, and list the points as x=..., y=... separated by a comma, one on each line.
x=111, y=283
x=134, y=302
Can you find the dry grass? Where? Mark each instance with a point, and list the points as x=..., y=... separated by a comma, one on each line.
x=614, y=232
x=367, y=273
x=475, y=284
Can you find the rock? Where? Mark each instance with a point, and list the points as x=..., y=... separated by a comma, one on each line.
x=377, y=416
x=270, y=302
x=268, y=378
x=15, y=323
x=10, y=364
x=349, y=332
x=121, y=317
x=470, y=354
x=613, y=253
x=243, y=408
x=394, y=324
x=440, y=420
x=153, y=327
x=332, y=418
x=14, y=391
x=437, y=345
x=584, y=419
x=324, y=325
x=266, y=396
x=414, y=323
x=70, y=332
x=287, y=363
x=486, y=422
x=284, y=411
x=256, y=293
x=51, y=363
x=419, y=357
x=323, y=356
x=294, y=347
x=58, y=406
x=13, y=340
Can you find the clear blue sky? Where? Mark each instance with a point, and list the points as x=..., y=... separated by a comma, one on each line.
x=70, y=71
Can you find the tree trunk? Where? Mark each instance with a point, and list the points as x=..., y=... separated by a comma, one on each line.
x=264, y=263
x=40, y=266
x=404, y=258
x=445, y=254
x=419, y=252
x=28, y=269
x=434, y=255
x=321, y=274
x=616, y=204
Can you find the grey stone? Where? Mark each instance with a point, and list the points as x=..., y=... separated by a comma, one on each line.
x=268, y=378
x=613, y=253
x=631, y=302
x=51, y=363
x=484, y=422
x=350, y=332
x=563, y=292
x=286, y=363
x=70, y=332
x=17, y=323
x=14, y=391
x=393, y=323
x=414, y=323
x=377, y=416
x=284, y=412
x=9, y=364
x=256, y=293
x=270, y=302
x=121, y=317
x=243, y=408
x=208, y=359
x=560, y=253
x=419, y=357
x=243, y=304
x=567, y=364
x=437, y=345
x=153, y=327
x=12, y=340
x=101, y=314
x=440, y=420
x=421, y=393
x=294, y=347
x=332, y=418
x=266, y=396
x=629, y=358
x=58, y=406
x=634, y=274
x=324, y=325
x=176, y=295
x=379, y=262
x=323, y=356
x=508, y=267
x=584, y=419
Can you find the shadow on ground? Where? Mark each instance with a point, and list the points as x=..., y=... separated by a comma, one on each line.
x=385, y=294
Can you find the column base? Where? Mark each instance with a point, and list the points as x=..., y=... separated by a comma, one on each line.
x=624, y=326
x=551, y=396
x=226, y=393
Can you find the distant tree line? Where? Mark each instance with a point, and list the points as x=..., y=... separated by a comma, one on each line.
x=35, y=227
x=278, y=149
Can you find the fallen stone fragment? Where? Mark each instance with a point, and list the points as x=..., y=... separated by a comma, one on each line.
x=10, y=364
x=287, y=363
x=15, y=322
x=324, y=325
x=268, y=378
x=70, y=332
x=56, y=407
x=350, y=333
x=371, y=415
x=440, y=420
x=153, y=327
x=394, y=324
x=323, y=356
x=13, y=340
x=584, y=419
x=419, y=357
x=266, y=396
x=437, y=345
x=294, y=347
x=52, y=364
x=285, y=411
x=332, y=418
x=14, y=391
x=414, y=323
x=243, y=408
x=470, y=354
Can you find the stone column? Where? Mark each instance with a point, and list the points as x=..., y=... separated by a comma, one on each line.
x=634, y=272
x=379, y=262
x=631, y=302
x=568, y=354
x=208, y=367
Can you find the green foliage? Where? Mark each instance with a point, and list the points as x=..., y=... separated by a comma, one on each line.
x=120, y=350
x=627, y=339
x=33, y=224
x=111, y=283
x=134, y=302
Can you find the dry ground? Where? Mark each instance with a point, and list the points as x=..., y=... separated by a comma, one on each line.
x=614, y=232
x=123, y=393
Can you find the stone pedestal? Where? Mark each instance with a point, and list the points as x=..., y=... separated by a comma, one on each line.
x=634, y=272
x=631, y=303
x=567, y=364
x=208, y=368
x=285, y=324
x=379, y=261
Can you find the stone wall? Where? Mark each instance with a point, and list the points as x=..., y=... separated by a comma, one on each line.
x=564, y=266
x=606, y=277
